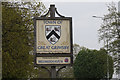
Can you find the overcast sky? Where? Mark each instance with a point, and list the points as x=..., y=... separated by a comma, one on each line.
x=84, y=25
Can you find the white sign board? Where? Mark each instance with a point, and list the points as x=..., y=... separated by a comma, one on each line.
x=53, y=36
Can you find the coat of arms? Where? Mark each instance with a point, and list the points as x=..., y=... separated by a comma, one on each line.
x=53, y=33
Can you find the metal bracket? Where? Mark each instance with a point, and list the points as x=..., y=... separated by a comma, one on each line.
x=52, y=72
x=46, y=69
x=52, y=11
x=59, y=70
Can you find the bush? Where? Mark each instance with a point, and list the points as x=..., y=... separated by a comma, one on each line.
x=92, y=64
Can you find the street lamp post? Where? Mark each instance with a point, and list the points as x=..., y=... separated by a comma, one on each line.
x=107, y=49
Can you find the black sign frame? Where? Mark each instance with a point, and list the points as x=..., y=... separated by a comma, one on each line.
x=53, y=54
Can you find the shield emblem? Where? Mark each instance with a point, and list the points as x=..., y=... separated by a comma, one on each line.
x=53, y=33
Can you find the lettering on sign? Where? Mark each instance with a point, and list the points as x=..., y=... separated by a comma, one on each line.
x=52, y=21
x=53, y=60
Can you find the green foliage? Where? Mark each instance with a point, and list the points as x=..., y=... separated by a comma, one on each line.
x=17, y=39
x=110, y=33
x=66, y=72
x=92, y=64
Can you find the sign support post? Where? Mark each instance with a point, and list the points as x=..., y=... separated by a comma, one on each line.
x=50, y=53
x=52, y=11
x=52, y=15
x=53, y=72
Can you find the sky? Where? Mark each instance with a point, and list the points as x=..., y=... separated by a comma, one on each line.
x=85, y=27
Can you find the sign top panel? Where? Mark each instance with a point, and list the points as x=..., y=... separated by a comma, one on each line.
x=53, y=35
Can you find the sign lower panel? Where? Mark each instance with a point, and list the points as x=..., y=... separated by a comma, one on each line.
x=53, y=60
